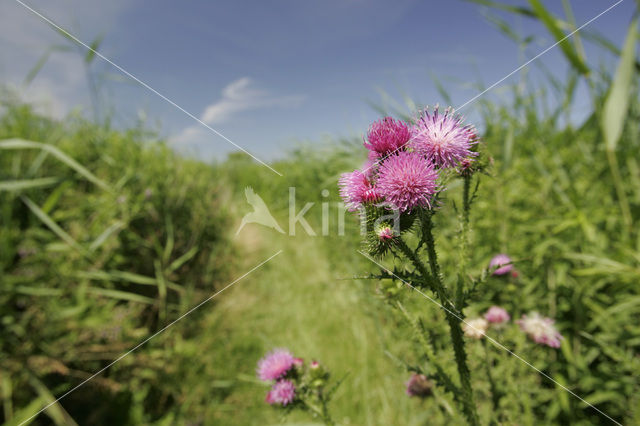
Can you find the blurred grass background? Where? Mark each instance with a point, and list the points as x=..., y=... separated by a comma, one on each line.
x=107, y=235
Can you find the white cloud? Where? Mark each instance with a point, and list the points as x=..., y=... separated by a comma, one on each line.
x=238, y=96
x=242, y=95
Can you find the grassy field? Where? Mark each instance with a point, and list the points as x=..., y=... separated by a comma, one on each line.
x=107, y=236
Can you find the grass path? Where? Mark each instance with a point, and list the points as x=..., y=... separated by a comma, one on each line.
x=298, y=301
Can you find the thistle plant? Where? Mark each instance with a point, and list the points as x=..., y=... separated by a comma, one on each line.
x=296, y=384
x=397, y=195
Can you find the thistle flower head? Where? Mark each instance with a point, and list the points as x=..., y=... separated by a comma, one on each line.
x=419, y=385
x=475, y=328
x=283, y=392
x=497, y=315
x=406, y=180
x=384, y=232
x=502, y=262
x=275, y=364
x=540, y=329
x=387, y=135
x=356, y=189
x=443, y=138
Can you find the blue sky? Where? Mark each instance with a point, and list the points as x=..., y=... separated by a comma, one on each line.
x=270, y=74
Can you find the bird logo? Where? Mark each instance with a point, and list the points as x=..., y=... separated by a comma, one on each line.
x=260, y=214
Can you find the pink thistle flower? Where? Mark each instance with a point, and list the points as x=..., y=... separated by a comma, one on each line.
x=356, y=189
x=502, y=262
x=540, y=329
x=419, y=385
x=443, y=138
x=497, y=315
x=407, y=180
x=387, y=135
x=275, y=364
x=283, y=392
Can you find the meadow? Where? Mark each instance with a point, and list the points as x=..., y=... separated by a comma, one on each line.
x=108, y=235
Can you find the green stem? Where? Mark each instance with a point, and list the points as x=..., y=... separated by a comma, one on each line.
x=464, y=240
x=323, y=413
x=454, y=318
x=419, y=335
x=495, y=392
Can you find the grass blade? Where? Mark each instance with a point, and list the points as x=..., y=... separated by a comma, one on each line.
x=64, y=158
x=554, y=27
x=19, y=185
x=50, y=223
x=617, y=103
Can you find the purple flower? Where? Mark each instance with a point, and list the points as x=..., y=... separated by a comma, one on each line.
x=497, y=315
x=275, y=364
x=387, y=135
x=443, y=138
x=407, y=180
x=283, y=392
x=540, y=329
x=419, y=385
x=356, y=189
x=502, y=262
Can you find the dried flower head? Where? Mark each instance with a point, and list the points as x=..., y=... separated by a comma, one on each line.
x=475, y=328
x=419, y=385
x=275, y=364
x=497, y=315
x=540, y=329
x=387, y=135
x=406, y=180
x=443, y=138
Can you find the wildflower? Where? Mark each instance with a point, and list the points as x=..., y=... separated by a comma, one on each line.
x=497, y=315
x=386, y=136
x=283, y=392
x=356, y=189
x=298, y=362
x=503, y=264
x=540, y=329
x=407, y=180
x=275, y=364
x=419, y=385
x=443, y=138
x=475, y=328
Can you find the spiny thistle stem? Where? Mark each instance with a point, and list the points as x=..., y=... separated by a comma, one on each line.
x=464, y=241
x=453, y=319
x=419, y=336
